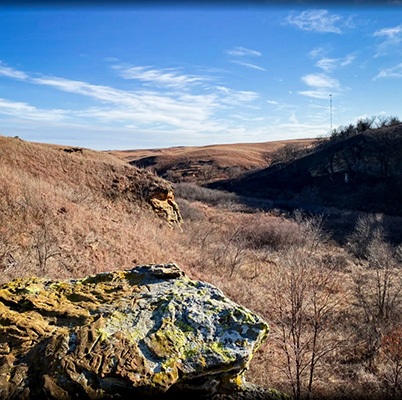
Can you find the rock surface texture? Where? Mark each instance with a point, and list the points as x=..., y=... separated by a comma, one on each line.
x=127, y=334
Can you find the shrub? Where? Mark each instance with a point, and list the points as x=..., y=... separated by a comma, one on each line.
x=366, y=228
x=193, y=192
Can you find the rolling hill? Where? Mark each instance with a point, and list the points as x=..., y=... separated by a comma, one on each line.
x=206, y=163
x=360, y=172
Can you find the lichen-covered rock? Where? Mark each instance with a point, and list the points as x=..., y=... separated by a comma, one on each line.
x=138, y=332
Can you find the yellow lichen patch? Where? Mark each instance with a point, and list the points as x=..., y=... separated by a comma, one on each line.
x=150, y=327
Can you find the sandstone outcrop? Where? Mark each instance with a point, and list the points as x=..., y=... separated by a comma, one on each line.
x=152, y=191
x=135, y=333
x=164, y=204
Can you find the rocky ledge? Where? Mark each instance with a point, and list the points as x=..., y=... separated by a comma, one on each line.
x=148, y=331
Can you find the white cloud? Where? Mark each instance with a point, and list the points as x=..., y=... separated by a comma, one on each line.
x=243, y=51
x=160, y=77
x=317, y=52
x=248, y=65
x=394, y=72
x=347, y=60
x=390, y=33
x=247, y=118
x=327, y=64
x=26, y=111
x=320, y=81
x=318, y=21
x=236, y=97
x=12, y=73
x=158, y=111
x=317, y=94
x=293, y=119
x=390, y=36
x=330, y=64
x=272, y=102
x=322, y=86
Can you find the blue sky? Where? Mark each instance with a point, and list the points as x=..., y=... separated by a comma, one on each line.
x=137, y=77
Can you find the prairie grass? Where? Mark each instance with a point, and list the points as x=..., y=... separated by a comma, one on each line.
x=65, y=215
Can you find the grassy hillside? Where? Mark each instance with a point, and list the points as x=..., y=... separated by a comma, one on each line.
x=362, y=171
x=334, y=311
x=70, y=211
x=206, y=163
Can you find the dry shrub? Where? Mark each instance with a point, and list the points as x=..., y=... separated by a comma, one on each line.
x=367, y=226
x=59, y=218
x=193, y=192
x=378, y=289
x=305, y=295
x=190, y=211
x=392, y=353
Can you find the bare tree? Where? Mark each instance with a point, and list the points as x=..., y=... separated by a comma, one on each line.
x=392, y=352
x=305, y=296
x=45, y=245
x=378, y=291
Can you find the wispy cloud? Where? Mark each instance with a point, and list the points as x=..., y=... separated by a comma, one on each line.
x=330, y=64
x=160, y=77
x=247, y=118
x=390, y=37
x=236, y=97
x=11, y=72
x=390, y=33
x=317, y=52
x=320, y=80
x=253, y=66
x=319, y=21
x=322, y=85
x=159, y=110
x=26, y=111
x=394, y=72
x=293, y=119
x=242, y=51
x=272, y=102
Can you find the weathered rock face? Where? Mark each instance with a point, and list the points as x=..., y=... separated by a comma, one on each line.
x=113, y=335
x=151, y=190
x=163, y=203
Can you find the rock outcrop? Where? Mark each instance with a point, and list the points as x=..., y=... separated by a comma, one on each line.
x=164, y=204
x=152, y=191
x=141, y=332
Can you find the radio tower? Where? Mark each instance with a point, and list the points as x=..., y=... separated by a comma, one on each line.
x=330, y=111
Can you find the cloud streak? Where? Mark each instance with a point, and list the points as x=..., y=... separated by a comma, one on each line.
x=318, y=21
x=243, y=51
x=165, y=78
x=331, y=64
x=248, y=65
x=391, y=37
x=26, y=111
x=137, y=109
x=322, y=85
x=394, y=72
x=12, y=73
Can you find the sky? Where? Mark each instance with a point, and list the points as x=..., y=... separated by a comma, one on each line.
x=135, y=77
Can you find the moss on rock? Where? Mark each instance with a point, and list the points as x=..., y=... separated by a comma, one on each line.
x=144, y=331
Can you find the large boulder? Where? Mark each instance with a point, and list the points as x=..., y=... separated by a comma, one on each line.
x=140, y=332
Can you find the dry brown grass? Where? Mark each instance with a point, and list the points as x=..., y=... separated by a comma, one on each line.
x=208, y=163
x=248, y=155
x=61, y=217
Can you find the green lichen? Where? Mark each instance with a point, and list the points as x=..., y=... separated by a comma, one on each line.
x=183, y=326
x=102, y=335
